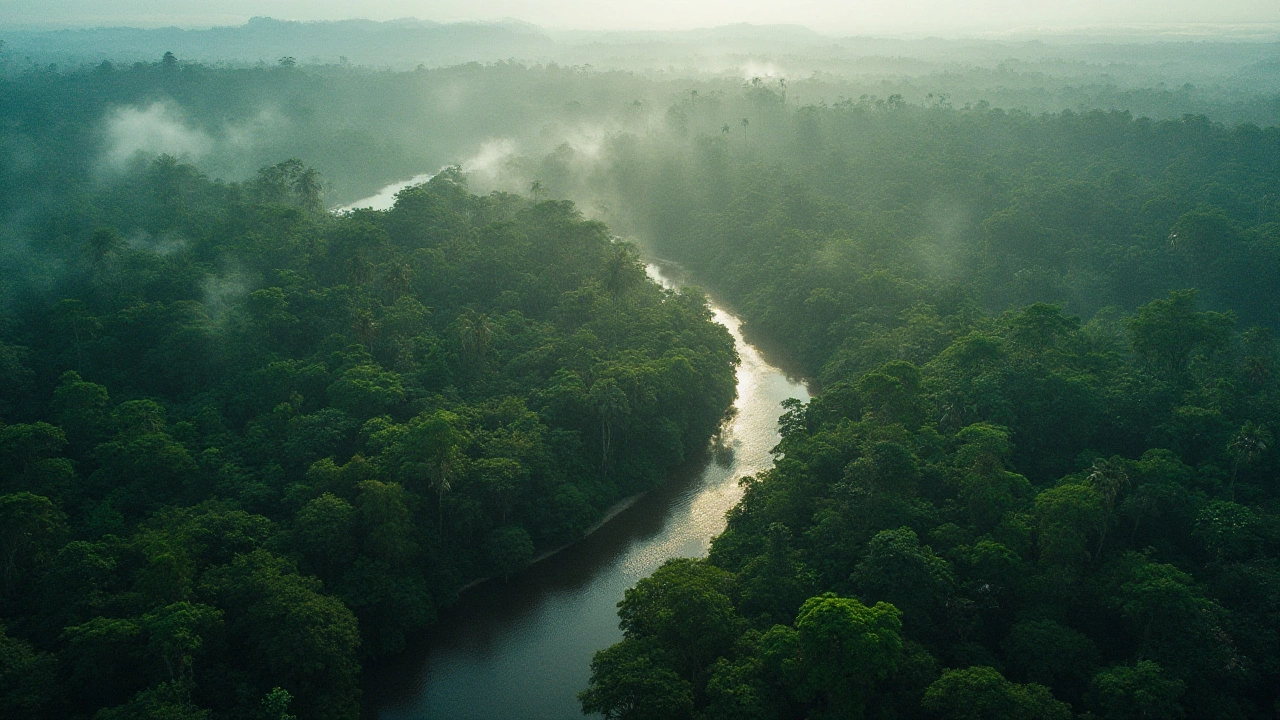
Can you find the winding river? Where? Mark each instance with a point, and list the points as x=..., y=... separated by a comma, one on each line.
x=521, y=649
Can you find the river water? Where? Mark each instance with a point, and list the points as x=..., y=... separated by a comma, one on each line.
x=521, y=649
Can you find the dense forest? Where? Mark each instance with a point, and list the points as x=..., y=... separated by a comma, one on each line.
x=68, y=126
x=1038, y=479
x=252, y=444
x=249, y=444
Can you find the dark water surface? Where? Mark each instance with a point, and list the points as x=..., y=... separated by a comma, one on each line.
x=521, y=650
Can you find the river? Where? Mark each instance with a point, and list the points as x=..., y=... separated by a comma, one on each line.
x=521, y=649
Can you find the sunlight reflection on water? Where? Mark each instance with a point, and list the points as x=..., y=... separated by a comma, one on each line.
x=521, y=650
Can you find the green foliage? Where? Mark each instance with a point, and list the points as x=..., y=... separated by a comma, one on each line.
x=1050, y=654
x=844, y=646
x=1050, y=456
x=1138, y=691
x=627, y=684
x=167, y=701
x=509, y=549
x=982, y=693
x=685, y=607
x=898, y=570
x=274, y=449
x=275, y=706
x=249, y=443
x=1170, y=333
x=27, y=679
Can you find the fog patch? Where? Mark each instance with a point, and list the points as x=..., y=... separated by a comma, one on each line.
x=157, y=129
x=166, y=244
x=588, y=143
x=248, y=134
x=491, y=159
x=763, y=71
x=947, y=223
x=221, y=293
x=26, y=269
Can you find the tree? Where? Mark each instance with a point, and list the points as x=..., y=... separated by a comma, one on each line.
x=1162, y=491
x=1169, y=332
x=628, y=683
x=80, y=409
x=1136, y=692
x=365, y=391
x=390, y=601
x=891, y=394
x=501, y=479
x=1109, y=479
x=1051, y=654
x=986, y=488
x=886, y=469
x=898, y=570
x=292, y=633
x=611, y=406
x=1174, y=623
x=685, y=607
x=844, y=646
x=29, y=524
x=738, y=690
x=1229, y=531
x=509, y=548
x=428, y=451
x=1247, y=446
x=323, y=534
x=27, y=678
x=102, y=659
x=174, y=636
x=475, y=335
x=384, y=523
x=17, y=381
x=982, y=693
x=166, y=701
x=275, y=706
x=22, y=445
x=1070, y=517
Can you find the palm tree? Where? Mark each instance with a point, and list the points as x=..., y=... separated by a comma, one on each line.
x=443, y=472
x=1108, y=477
x=611, y=405
x=475, y=332
x=1247, y=446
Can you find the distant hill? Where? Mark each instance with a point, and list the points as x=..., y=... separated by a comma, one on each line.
x=1235, y=60
x=362, y=42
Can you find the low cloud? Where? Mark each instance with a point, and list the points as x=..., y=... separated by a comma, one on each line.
x=221, y=293
x=157, y=129
x=491, y=158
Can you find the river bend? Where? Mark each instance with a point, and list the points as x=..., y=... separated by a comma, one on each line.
x=521, y=650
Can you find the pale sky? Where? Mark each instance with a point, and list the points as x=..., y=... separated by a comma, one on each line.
x=833, y=17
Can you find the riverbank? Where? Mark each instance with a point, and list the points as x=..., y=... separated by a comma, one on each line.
x=522, y=648
x=672, y=274
x=613, y=511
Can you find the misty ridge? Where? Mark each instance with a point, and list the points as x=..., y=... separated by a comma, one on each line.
x=1226, y=55
x=761, y=95
x=432, y=111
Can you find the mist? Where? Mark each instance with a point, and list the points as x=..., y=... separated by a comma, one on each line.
x=325, y=326
x=157, y=129
x=911, y=17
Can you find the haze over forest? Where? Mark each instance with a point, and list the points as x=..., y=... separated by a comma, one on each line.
x=914, y=17
x=325, y=329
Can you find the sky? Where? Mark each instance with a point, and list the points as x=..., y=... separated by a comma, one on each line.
x=956, y=17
